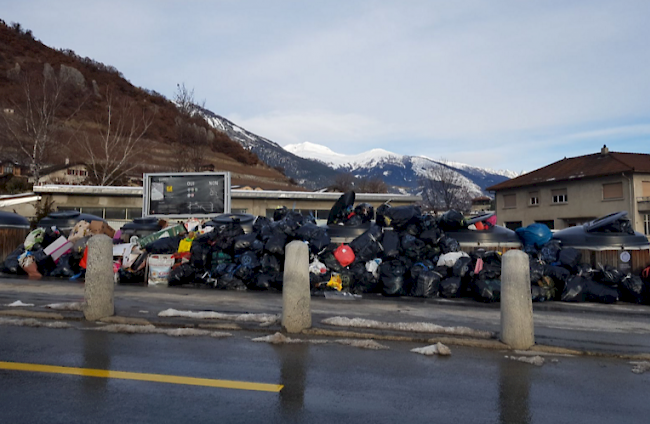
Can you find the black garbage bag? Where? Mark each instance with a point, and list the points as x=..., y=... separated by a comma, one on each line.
x=244, y=273
x=450, y=287
x=316, y=236
x=262, y=225
x=391, y=276
x=448, y=245
x=366, y=246
x=382, y=218
x=163, y=246
x=608, y=275
x=124, y=276
x=290, y=223
x=444, y=271
x=420, y=267
x=230, y=282
x=462, y=267
x=243, y=243
x=49, y=236
x=63, y=269
x=557, y=273
x=263, y=281
x=275, y=244
x=537, y=269
x=585, y=270
x=401, y=216
x=431, y=236
x=44, y=262
x=362, y=280
x=353, y=220
x=200, y=255
x=550, y=252
x=183, y=274
x=330, y=262
x=491, y=266
x=249, y=259
x=487, y=290
x=391, y=244
x=426, y=284
x=365, y=211
x=341, y=208
x=597, y=292
x=280, y=213
x=224, y=236
x=575, y=289
x=541, y=294
x=411, y=246
x=11, y=265
x=452, y=220
x=634, y=290
x=570, y=258
x=270, y=263
x=218, y=257
x=532, y=251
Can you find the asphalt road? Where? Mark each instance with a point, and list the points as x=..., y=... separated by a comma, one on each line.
x=321, y=383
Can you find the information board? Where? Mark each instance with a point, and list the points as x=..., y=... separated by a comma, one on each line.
x=185, y=195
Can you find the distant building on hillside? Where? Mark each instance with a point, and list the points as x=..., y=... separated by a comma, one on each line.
x=481, y=204
x=577, y=190
x=68, y=174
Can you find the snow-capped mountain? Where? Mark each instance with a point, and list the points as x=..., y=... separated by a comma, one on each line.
x=315, y=166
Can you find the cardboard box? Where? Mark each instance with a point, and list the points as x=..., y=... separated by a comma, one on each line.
x=101, y=227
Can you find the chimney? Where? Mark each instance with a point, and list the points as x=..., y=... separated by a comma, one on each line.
x=604, y=150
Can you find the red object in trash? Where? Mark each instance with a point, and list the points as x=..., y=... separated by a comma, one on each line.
x=82, y=262
x=344, y=255
x=480, y=226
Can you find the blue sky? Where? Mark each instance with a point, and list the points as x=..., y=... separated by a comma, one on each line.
x=501, y=84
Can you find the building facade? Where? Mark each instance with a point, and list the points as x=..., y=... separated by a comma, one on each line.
x=577, y=190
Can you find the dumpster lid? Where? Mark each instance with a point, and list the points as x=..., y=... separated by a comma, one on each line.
x=13, y=220
x=492, y=235
x=600, y=234
x=67, y=219
x=146, y=223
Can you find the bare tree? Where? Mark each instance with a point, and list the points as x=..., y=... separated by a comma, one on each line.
x=185, y=101
x=37, y=114
x=192, y=140
x=371, y=185
x=111, y=149
x=343, y=182
x=443, y=188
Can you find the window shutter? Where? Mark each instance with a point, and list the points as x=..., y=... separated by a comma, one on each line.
x=509, y=200
x=613, y=191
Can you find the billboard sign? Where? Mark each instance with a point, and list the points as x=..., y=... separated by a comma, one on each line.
x=186, y=194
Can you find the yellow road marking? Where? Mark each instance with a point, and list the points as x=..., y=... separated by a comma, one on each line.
x=159, y=378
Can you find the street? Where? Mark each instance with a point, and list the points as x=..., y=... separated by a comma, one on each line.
x=322, y=383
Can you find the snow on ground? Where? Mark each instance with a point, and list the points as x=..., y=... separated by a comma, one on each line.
x=31, y=322
x=418, y=327
x=261, y=318
x=435, y=349
x=640, y=367
x=151, y=329
x=19, y=303
x=533, y=360
x=72, y=306
x=279, y=338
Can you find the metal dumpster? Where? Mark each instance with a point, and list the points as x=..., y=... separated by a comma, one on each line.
x=603, y=243
x=66, y=220
x=13, y=230
x=495, y=238
x=140, y=227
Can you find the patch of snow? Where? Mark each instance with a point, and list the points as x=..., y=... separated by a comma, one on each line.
x=640, y=367
x=31, y=322
x=325, y=154
x=533, y=360
x=19, y=303
x=363, y=344
x=418, y=327
x=260, y=318
x=151, y=329
x=72, y=306
x=435, y=349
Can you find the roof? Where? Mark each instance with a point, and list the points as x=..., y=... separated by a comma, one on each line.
x=595, y=165
x=55, y=168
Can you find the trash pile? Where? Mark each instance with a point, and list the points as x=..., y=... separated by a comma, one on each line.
x=403, y=252
x=49, y=252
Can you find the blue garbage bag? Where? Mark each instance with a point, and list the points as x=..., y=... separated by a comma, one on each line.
x=534, y=235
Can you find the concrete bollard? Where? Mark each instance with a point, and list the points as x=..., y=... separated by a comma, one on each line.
x=296, y=297
x=99, y=286
x=517, y=330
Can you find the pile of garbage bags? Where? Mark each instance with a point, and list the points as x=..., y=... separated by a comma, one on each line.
x=403, y=252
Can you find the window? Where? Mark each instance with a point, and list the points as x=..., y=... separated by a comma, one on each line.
x=115, y=213
x=133, y=213
x=550, y=224
x=8, y=169
x=513, y=225
x=646, y=188
x=237, y=210
x=99, y=212
x=322, y=214
x=533, y=197
x=612, y=191
x=559, y=196
x=68, y=208
x=509, y=201
x=646, y=224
